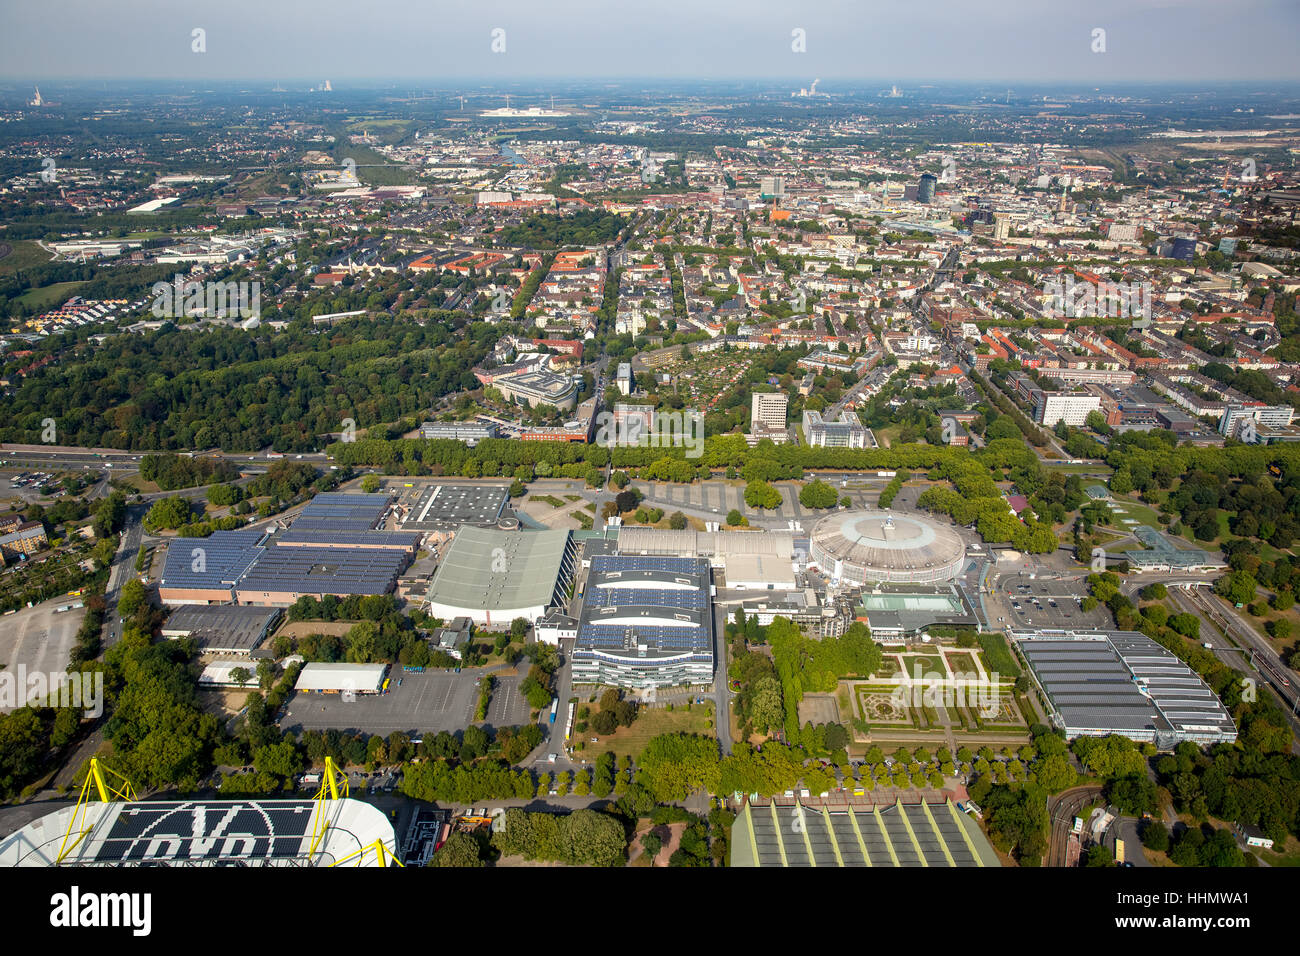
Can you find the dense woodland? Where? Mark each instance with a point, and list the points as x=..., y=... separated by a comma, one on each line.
x=227, y=388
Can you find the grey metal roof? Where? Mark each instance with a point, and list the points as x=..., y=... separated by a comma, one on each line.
x=492, y=569
x=221, y=626
x=1122, y=681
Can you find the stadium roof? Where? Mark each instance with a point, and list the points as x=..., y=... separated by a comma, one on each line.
x=341, y=511
x=203, y=833
x=216, y=561
x=882, y=546
x=1125, y=683
x=912, y=834
x=492, y=569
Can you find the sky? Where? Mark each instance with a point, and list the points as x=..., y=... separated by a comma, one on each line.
x=1028, y=41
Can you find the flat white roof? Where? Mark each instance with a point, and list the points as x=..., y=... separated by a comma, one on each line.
x=340, y=677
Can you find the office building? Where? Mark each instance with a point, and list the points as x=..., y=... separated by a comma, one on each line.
x=925, y=189
x=767, y=415
x=848, y=432
x=469, y=432
x=1069, y=407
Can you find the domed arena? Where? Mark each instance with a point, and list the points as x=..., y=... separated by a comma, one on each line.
x=861, y=547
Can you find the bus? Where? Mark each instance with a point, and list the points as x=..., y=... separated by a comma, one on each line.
x=1119, y=850
x=555, y=703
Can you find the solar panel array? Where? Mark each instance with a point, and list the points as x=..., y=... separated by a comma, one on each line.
x=325, y=570
x=340, y=511
x=216, y=561
x=907, y=835
x=333, y=537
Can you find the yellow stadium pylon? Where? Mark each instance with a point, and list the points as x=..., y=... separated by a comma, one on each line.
x=329, y=784
x=108, y=792
x=383, y=856
x=330, y=790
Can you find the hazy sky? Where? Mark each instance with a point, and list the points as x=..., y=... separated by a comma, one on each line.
x=1047, y=41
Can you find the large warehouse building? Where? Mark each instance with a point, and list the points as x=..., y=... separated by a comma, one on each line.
x=330, y=549
x=1120, y=682
x=281, y=575
x=751, y=560
x=862, y=547
x=204, y=570
x=493, y=576
x=647, y=621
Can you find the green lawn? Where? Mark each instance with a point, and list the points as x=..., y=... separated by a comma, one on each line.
x=650, y=722
x=49, y=296
x=23, y=253
x=1290, y=855
x=1137, y=511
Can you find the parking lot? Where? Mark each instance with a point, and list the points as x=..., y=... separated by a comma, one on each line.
x=39, y=639
x=507, y=707
x=424, y=703
x=1039, y=604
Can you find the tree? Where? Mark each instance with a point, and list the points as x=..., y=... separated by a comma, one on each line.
x=735, y=518
x=460, y=849
x=590, y=838
x=1056, y=774
x=1099, y=856
x=817, y=494
x=605, y=722
x=1155, y=836
x=131, y=598
x=651, y=844
x=759, y=494
x=677, y=522
x=370, y=483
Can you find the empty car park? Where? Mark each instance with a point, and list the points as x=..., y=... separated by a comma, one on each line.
x=427, y=702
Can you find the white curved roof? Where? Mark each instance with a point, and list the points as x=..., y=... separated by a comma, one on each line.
x=887, y=542
x=204, y=833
